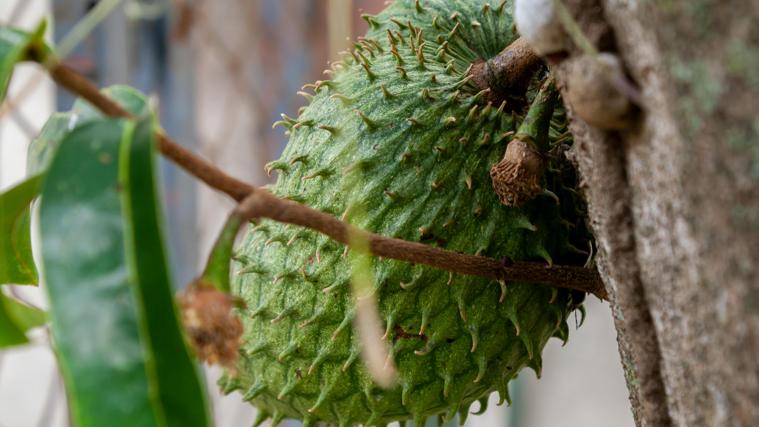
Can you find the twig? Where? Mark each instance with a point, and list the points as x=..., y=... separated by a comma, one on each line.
x=197, y=166
x=70, y=41
x=260, y=203
x=263, y=204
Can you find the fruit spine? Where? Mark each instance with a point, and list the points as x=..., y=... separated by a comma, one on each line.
x=400, y=143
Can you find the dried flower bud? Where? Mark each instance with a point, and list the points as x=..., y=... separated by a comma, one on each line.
x=516, y=178
x=595, y=91
x=213, y=329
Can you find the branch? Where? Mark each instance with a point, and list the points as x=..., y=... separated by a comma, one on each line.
x=192, y=163
x=264, y=204
x=257, y=203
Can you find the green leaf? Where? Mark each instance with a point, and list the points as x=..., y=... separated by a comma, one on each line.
x=127, y=97
x=216, y=272
x=40, y=153
x=17, y=46
x=15, y=319
x=537, y=122
x=25, y=316
x=42, y=149
x=16, y=260
x=113, y=317
x=181, y=390
x=11, y=334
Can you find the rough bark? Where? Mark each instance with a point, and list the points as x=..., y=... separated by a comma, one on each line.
x=674, y=205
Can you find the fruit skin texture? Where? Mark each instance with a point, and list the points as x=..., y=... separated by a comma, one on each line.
x=400, y=144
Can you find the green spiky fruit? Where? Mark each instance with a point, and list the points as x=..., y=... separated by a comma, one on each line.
x=400, y=143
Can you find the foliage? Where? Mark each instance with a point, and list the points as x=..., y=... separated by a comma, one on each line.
x=113, y=318
x=16, y=262
x=15, y=319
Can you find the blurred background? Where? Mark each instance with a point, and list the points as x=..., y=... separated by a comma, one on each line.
x=222, y=72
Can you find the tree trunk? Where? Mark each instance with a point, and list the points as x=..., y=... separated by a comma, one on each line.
x=674, y=203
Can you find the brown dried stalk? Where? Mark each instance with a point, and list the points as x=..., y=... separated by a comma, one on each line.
x=259, y=203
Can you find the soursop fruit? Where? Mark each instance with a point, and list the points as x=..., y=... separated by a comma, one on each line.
x=399, y=142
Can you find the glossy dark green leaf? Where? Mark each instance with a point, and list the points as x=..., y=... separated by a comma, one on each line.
x=40, y=153
x=92, y=307
x=113, y=317
x=16, y=261
x=17, y=46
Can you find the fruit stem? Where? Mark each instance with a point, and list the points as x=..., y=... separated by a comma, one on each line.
x=534, y=129
x=517, y=178
x=507, y=74
x=260, y=203
x=216, y=272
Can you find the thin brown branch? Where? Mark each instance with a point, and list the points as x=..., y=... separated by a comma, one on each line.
x=260, y=203
x=192, y=163
x=264, y=204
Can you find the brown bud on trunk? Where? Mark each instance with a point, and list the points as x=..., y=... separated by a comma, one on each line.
x=599, y=92
x=516, y=178
x=212, y=327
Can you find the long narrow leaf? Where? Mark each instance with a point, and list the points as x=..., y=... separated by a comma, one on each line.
x=113, y=319
x=16, y=261
x=92, y=308
x=179, y=388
